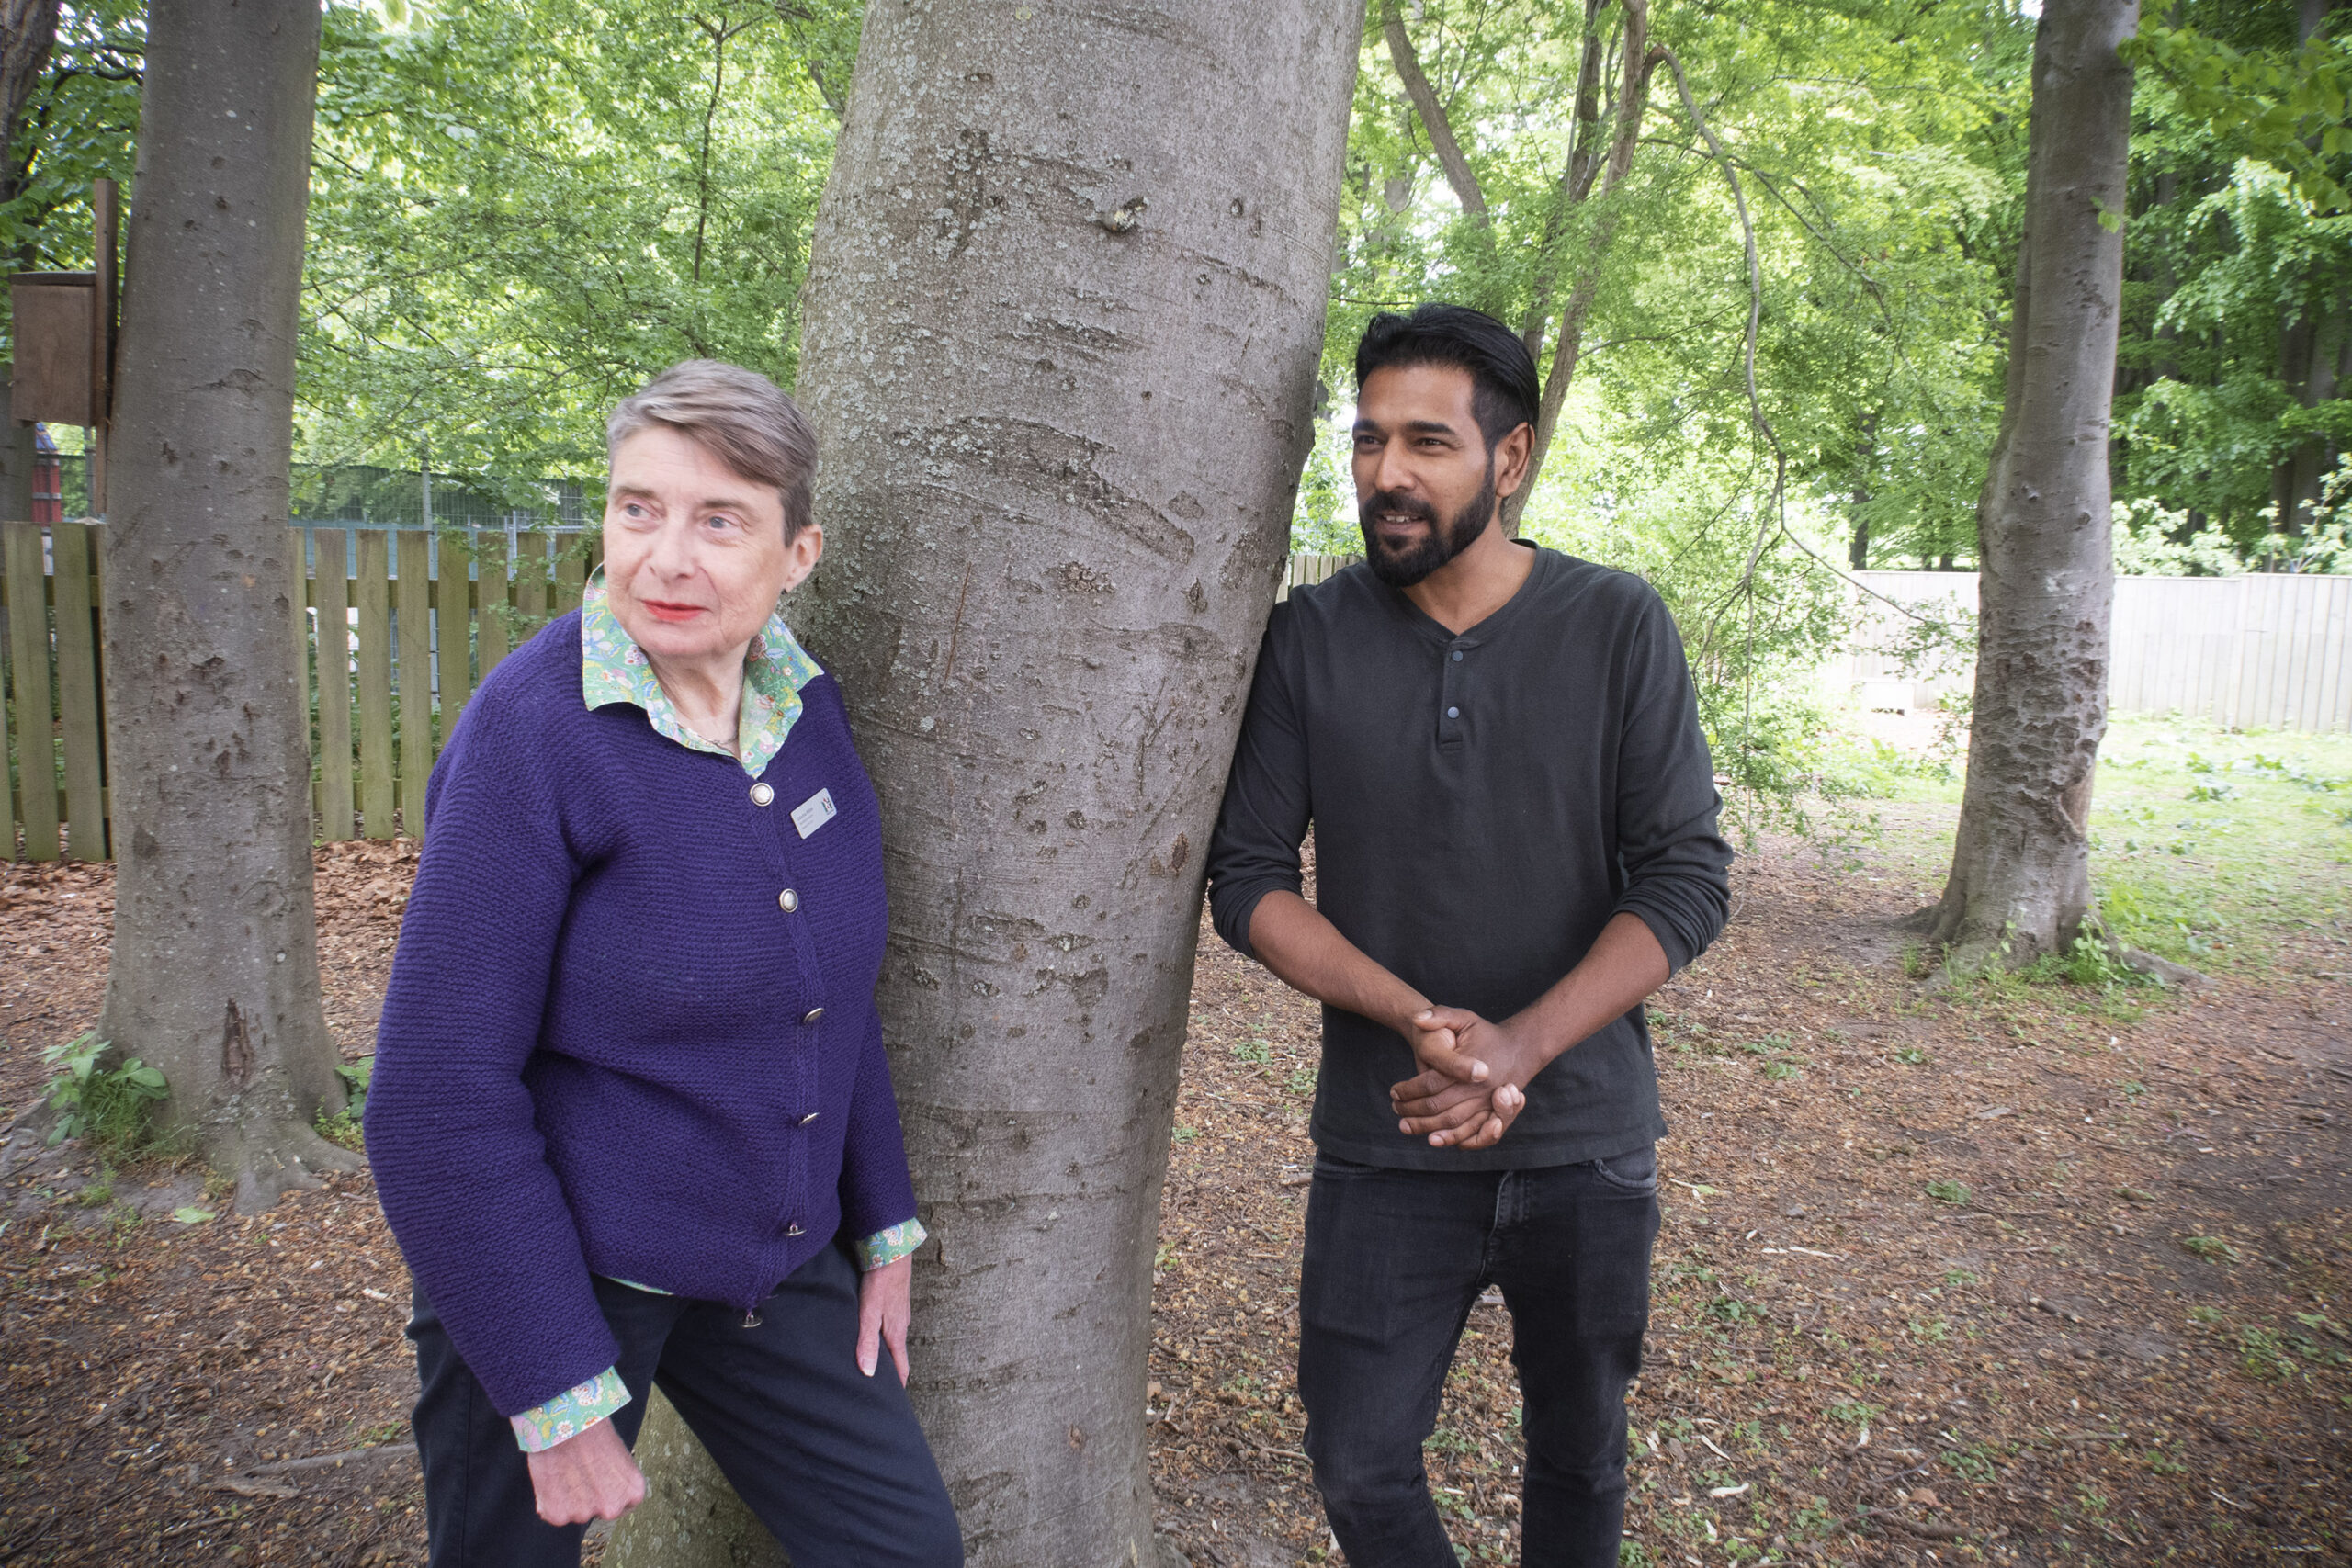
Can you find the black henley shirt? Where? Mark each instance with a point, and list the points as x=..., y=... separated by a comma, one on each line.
x=1482, y=805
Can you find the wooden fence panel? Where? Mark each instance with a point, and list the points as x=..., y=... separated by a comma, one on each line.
x=414, y=591
x=331, y=592
x=571, y=577
x=494, y=597
x=531, y=579
x=20, y=548
x=453, y=621
x=78, y=720
x=298, y=597
x=375, y=684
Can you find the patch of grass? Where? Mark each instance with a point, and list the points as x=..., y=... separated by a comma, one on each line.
x=2210, y=1247
x=1257, y=1052
x=1302, y=1082
x=1955, y=1192
x=1186, y=1134
x=1959, y=1279
x=105, y=1106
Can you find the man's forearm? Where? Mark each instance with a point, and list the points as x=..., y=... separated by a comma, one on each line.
x=1305, y=952
x=1625, y=965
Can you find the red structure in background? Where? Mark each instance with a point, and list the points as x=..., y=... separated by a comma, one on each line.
x=48, y=478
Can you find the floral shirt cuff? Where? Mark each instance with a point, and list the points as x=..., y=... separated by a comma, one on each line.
x=571, y=1412
x=889, y=1246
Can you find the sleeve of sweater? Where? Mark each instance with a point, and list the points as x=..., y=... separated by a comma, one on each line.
x=458, y=1162
x=1264, y=816
x=1677, y=864
x=876, y=1193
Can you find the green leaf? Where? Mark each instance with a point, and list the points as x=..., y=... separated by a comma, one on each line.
x=192, y=1215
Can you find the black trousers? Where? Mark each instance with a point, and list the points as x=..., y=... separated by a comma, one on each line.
x=830, y=1459
x=1395, y=1261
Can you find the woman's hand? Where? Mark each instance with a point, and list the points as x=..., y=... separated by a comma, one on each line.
x=591, y=1476
x=882, y=1314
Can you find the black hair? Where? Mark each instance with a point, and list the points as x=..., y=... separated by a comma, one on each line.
x=1502, y=374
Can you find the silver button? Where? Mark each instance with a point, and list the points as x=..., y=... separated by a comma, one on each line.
x=812, y=1015
x=805, y=1120
x=1450, y=713
x=761, y=795
x=792, y=1230
x=788, y=901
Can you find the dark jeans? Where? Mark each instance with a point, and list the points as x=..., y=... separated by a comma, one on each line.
x=830, y=1459
x=1395, y=1260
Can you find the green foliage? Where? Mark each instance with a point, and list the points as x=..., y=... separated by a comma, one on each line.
x=2287, y=109
x=106, y=1105
x=2211, y=1248
x=523, y=208
x=1953, y=1193
x=343, y=1126
x=79, y=124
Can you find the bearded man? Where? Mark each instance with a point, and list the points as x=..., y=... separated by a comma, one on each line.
x=1499, y=747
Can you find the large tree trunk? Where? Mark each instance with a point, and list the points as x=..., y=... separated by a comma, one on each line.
x=215, y=976
x=2020, y=875
x=1064, y=311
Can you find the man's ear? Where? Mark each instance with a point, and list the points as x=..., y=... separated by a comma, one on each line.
x=1511, y=456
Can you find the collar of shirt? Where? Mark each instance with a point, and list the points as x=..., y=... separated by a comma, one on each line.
x=613, y=669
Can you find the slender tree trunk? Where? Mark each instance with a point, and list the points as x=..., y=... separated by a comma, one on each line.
x=215, y=976
x=2020, y=875
x=1064, y=311
x=1858, y=554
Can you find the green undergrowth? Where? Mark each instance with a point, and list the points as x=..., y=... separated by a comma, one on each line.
x=2210, y=847
x=105, y=1104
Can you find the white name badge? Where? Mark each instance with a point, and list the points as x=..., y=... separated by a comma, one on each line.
x=814, y=812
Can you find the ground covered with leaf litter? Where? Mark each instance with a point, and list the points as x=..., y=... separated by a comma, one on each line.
x=2011, y=1273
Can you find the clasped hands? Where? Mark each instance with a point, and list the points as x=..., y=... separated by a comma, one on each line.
x=1474, y=1077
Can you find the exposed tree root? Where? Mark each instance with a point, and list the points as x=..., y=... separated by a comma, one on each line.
x=273, y=1158
x=2160, y=969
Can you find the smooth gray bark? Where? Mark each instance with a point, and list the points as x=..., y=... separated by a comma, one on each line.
x=1064, y=310
x=2020, y=875
x=215, y=976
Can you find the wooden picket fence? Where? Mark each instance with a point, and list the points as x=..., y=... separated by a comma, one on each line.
x=423, y=622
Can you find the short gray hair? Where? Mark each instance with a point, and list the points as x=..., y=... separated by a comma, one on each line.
x=744, y=419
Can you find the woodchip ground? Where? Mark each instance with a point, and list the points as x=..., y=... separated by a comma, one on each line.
x=2028, y=1274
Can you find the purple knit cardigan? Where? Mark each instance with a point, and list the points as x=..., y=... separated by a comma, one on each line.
x=630, y=1029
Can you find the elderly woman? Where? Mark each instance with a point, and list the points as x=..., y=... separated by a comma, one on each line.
x=631, y=1121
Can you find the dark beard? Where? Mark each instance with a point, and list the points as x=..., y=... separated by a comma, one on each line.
x=1444, y=541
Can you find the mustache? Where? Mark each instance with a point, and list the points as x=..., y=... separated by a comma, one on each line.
x=1382, y=502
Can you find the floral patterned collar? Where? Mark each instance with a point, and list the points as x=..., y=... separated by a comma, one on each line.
x=613, y=669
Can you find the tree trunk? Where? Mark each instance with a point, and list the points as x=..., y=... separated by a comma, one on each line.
x=215, y=976
x=692, y=1519
x=27, y=34
x=2020, y=875
x=1064, y=312
x=1858, y=553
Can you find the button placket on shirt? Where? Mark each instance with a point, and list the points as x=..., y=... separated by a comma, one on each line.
x=1452, y=703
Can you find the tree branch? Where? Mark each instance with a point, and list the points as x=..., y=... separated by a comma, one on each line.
x=1458, y=173
x=1640, y=59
